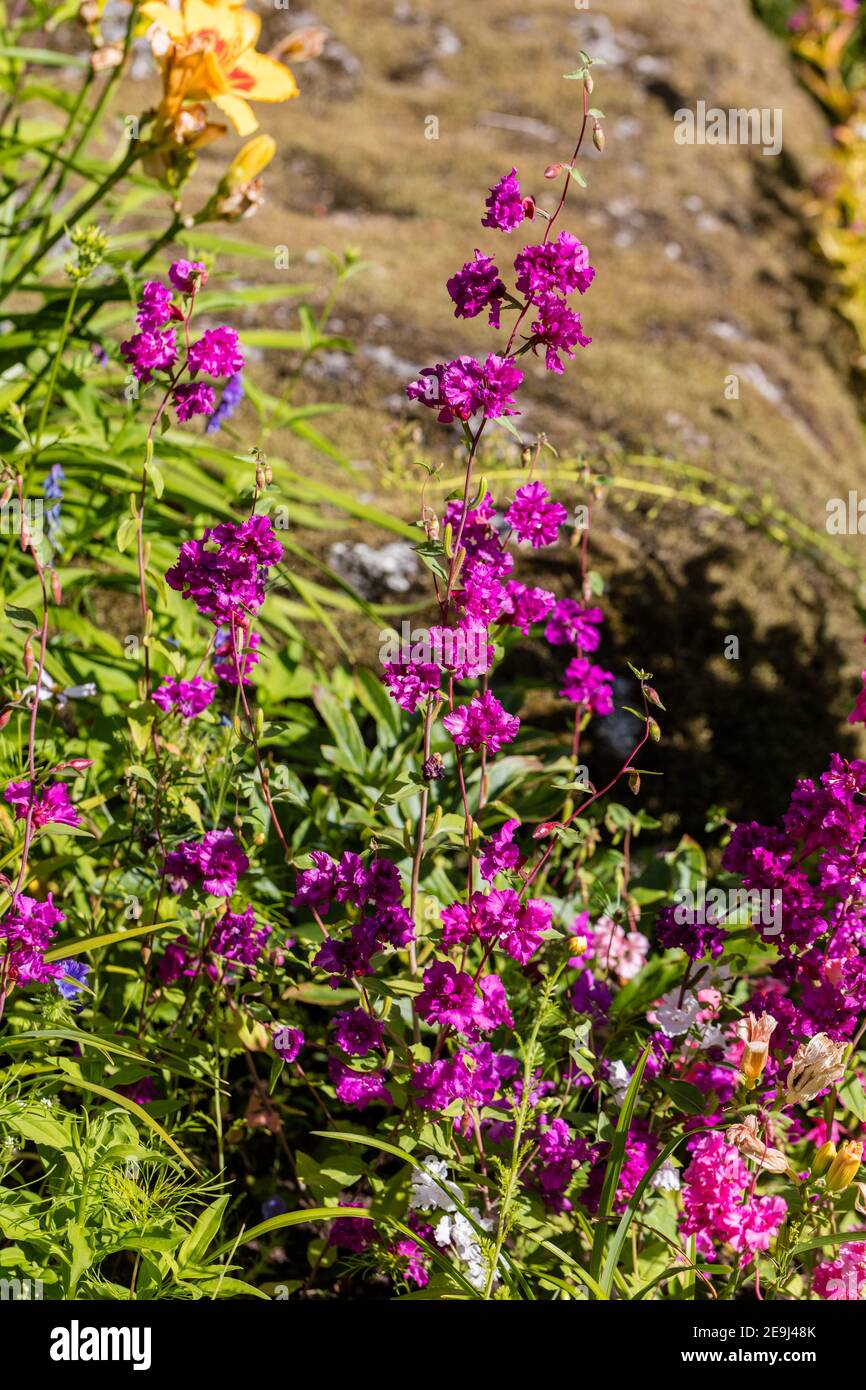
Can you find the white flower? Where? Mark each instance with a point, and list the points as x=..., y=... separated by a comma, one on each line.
x=711, y=1035
x=460, y=1234
x=666, y=1178
x=618, y=1079
x=675, y=1018
x=431, y=1189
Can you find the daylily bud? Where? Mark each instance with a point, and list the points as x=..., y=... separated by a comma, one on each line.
x=843, y=1169
x=823, y=1158
x=249, y=162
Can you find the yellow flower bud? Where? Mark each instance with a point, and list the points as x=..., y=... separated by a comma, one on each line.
x=843, y=1169
x=577, y=945
x=823, y=1158
x=249, y=162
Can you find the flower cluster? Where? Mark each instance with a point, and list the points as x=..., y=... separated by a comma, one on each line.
x=154, y=348
x=545, y=275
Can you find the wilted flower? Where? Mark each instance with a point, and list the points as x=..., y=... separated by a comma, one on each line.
x=816, y=1065
x=745, y=1138
x=756, y=1034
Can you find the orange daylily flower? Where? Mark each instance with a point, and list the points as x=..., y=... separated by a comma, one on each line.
x=207, y=52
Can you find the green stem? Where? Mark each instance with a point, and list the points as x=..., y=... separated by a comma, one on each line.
x=55, y=367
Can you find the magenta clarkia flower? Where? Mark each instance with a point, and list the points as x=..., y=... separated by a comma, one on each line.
x=477, y=287
x=465, y=387
x=505, y=206
x=231, y=657
x=358, y=1089
x=193, y=398
x=150, y=352
x=216, y=353
x=27, y=929
x=554, y=267
x=50, y=803
x=224, y=572
x=586, y=684
x=524, y=606
x=183, y=275
x=534, y=517
x=570, y=624
x=500, y=854
x=356, y=1033
x=237, y=938
x=558, y=329
x=213, y=863
x=483, y=723
x=189, y=697
x=154, y=306
x=448, y=997
x=288, y=1042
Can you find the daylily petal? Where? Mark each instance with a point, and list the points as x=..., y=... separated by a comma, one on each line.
x=261, y=78
x=168, y=19
x=238, y=112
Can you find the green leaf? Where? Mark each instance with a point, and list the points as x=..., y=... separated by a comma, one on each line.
x=21, y=617
x=203, y=1233
x=613, y=1167
x=853, y=1098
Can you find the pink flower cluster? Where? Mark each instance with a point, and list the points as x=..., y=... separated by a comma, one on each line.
x=546, y=273
x=154, y=348
x=718, y=1205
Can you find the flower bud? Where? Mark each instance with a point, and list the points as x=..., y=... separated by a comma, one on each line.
x=843, y=1169
x=823, y=1158
x=28, y=657
x=107, y=57
x=598, y=136
x=433, y=768
x=588, y=82
x=529, y=209
x=5, y=717
x=249, y=162
x=578, y=945
x=541, y=832
x=56, y=591
x=553, y=171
